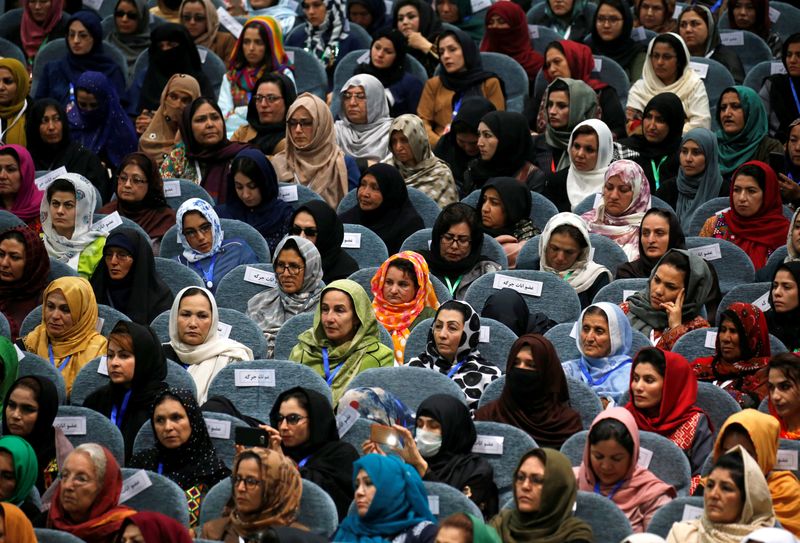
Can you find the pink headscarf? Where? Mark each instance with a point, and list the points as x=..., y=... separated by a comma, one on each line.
x=32, y=33
x=29, y=198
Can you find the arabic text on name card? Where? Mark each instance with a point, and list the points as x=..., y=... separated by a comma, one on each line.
x=260, y=277
x=219, y=429
x=711, y=340
x=44, y=181
x=523, y=286
x=254, y=378
x=224, y=330
x=346, y=419
x=71, y=426
x=134, y=485
x=707, y=252
x=172, y=189
x=488, y=445
x=352, y=240
x=288, y=193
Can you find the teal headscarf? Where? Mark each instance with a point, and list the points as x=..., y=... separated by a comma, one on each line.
x=400, y=502
x=26, y=468
x=8, y=357
x=693, y=191
x=736, y=149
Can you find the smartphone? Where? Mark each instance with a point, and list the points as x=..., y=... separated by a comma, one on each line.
x=251, y=437
x=385, y=435
x=777, y=161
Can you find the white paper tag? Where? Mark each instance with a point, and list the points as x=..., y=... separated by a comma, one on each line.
x=346, y=419
x=762, y=302
x=228, y=21
x=352, y=240
x=203, y=54
x=707, y=252
x=288, y=193
x=777, y=68
x=98, y=325
x=172, y=189
x=485, y=334
x=591, y=254
x=219, y=429
x=574, y=332
x=638, y=34
x=43, y=181
x=254, y=378
x=260, y=277
x=627, y=294
x=71, y=426
x=93, y=4
x=677, y=12
x=134, y=485
x=291, y=4
x=645, y=457
x=433, y=504
x=691, y=512
x=774, y=15
x=598, y=64
x=597, y=199
x=108, y=223
x=224, y=330
x=290, y=56
x=488, y=445
x=732, y=38
x=478, y=5
x=102, y=367
x=711, y=340
x=700, y=69
x=389, y=5
x=363, y=59
x=20, y=352
x=533, y=31
x=523, y=286
x=787, y=460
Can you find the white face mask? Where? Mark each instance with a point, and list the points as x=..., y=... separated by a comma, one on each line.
x=428, y=443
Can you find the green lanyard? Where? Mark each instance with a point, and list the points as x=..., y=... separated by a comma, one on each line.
x=656, y=175
x=452, y=287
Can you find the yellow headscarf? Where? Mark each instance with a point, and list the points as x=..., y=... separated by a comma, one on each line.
x=15, y=133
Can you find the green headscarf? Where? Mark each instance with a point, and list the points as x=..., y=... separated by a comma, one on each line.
x=483, y=533
x=582, y=106
x=8, y=356
x=736, y=149
x=26, y=468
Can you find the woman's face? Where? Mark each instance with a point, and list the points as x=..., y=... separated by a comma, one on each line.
x=429, y=424
x=360, y=15
x=398, y=287
x=729, y=341
x=193, y=18
x=58, y=319
x=79, y=486
x=583, y=152
x=132, y=534
x=408, y=20
x=126, y=17
x=401, y=148
x=270, y=105
x=121, y=363
x=655, y=236
x=63, y=207
x=731, y=113
x=609, y=461
x=595, y=338
x=315, y=11
x=795, y=235
x=171, y=423
x=294, y=425
x=10, y=176
x=492, y=213
x=369, y=193
x=617, y=195
x=8, y=478
x=744, y=13
x=561, y=8
x=528, y=485
x=447, y=11
x=784, y=292
x=456, y=243
x=22, y=411
x=305, y=226
x=524, y=359
x=656, y=128
x=652, y=13
x=664, y=60
x=693, y=30
x=784, y=393
x=354, y=100
x=692, y=158
x=556, y=63
x=51, y=128
x=207, y=126
x=666, y=284
x=365, y=492
x=247, y=486
x=647, y=387
x=793, y=59
x=747, y=195
x=194, y=319
x=338, y=317
x=78, y=38
x=558, y=109
x=383, y=53
x=86, y=100
x=253, y=47
x=609, y=22
x=247, y=190
x=198, y=231
x=562, y=251
x=496, y=22
x=447, y=331
x=8, y=87
x=451, y=55
x=300, y=127
x=40, y=9
x=12, y=260
x=132, y=184
x=722, y=499
x=291, y=270
x=487, y=142
x=793, y=145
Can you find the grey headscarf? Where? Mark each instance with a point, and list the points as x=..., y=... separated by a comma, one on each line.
x=133, y=44
x=582, y=106
x=695, y=191
x=371, y=139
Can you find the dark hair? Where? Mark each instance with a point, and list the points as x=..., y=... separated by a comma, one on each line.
x=141, y=160
x=246, y=166
x=595, y=311
x=9, y=151
x=788, y=363
x=572, y=232
x=16, y=235
x=675, y=43
x=733, y=462
x=585, y=130
x=193, y=291
x=653, y=356
x=31, y=384
x=555, y=44
x=455, y=214
x=794, y=38
x=679, y=261
x=407, y=268
x=753, y=171
x=59, y=185
x=454, y=305
x=240, y=62
x=611, y=429
x=121, y=334
x=461, y=522
x=558, y=85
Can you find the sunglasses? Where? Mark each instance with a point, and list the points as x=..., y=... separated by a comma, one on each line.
x=132, y=15
x=297, y=230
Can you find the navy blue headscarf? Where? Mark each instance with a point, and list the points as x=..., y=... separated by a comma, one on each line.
x=95, y=60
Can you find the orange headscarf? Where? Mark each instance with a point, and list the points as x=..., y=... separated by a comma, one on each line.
x=18, y=527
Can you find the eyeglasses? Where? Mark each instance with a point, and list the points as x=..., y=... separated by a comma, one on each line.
x=123, y=179
x=132, y=15
x=297, y=230
x=304, y=123
x=192, y=233
x=520, y=479
x=271, y=98
x=602, y=19
x=360, y=96
x=293, y=269
x=291, y=420
x=249, y=482
x=122, y=256
x=450, y=239
x=188, y=17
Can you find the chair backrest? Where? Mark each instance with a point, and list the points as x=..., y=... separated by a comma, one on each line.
x=749, y=47
x=117, y=56
x=731, y=263
x=108, y=317
x=126, y=222
x=358, y=433
x=609, y=71
x=10, y=50
x=445, y=500
x=5, y=329
x=718, y=404
x=309, y=73
x=514, y=444
x=792, y=447
x=83, y=425
x=8, y=220
x=161, y=495
x=170, y=247
x=606, y=252
x=410, y=384
x=541, y=36
x=609, y=524
x=32, y=364
x=234, y=291
x=45, y=535
x=9, y=20
x=364, y=276
x=427, y=209
x=776, y=259
x=757, y=74
x=717, y=79
x=286, y=338
x=542, y=209
x=672, y=512
x=589, y=203
x=562, y=339
x=494, y=347
x=364, y=246
x=52, y=51
x=60, y=269
x=706, y=210
x=178, y=191
x=512, y=75
x=304, y=194
x=176, y=275
x=788, y=18
x=556, y=298
x=748, y=293
x=420, y=241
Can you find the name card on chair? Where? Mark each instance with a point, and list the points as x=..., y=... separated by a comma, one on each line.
x=224, y=330
x=260, y=277
x=478, y=5
x=732, y=38
x=108, y=223
x=787, y=460
x=774, y=15
x=598, y=64
x=102, y=367
x=45, y=180
x=71, y=426
x=290, y=56
x=627, y=294
x=94, y=4
x=98, y=325
x=707, y=252
x=597, y=199
x=677, y=13
x=762, y=302
x=346, y=419
x=219, y=429
x=20, y=352
x=523, y=286
x=352, y=240
x=485, y=334
x=172, y=189
x=777, y=68
x=288, y=193
x=134, y=485
x=203, y=52
x=711, y=340
x=364, y=59
x=488, y=445
x=691, y=512
x=433, y=503
x=645, y=457
x=229, y=22
x=533, y=31
x=699, y=68
x=254, y=378
x=638, y=34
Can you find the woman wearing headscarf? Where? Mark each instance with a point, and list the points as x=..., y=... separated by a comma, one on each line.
x=370, y=15
x=297, y=265
x=153, y=527
x=634, y=489
x=756, y=17
x=766, y=273
x=9, y=362
x=535, y=396
x=201, y=20
x=656, y=16
x=137, y=369
x=167, y=10
x=741, y=355
x=16, y=525
x=755, y=220
x=140, y=197
x=462, y=75
x=131, y=30
x=18, y=454
x=161, y=132
x=403, y=296
x=126, y=278
x=783, y=374
x=459, y=146
x=21, y=286
x=659, y=76
x=190, y=461
x=253, y=197
x=40, y=23
x=266, y=114
x=196, y=343
x=420, y=25
x=317, y=222
x=363, y=130
x=24, y=198
x=679, y=286
x=84, y=53
x=699, y=30
x=626, y=197
x=15, y=101
x=507, y=33
x=783, y=316
x=660, y=231
x=103, y=127
x=413, y=158
x=572, y=20
x=505, y=206
x=776, y=89
x=611, y=37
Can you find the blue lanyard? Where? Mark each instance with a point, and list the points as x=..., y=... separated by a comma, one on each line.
x=457, y=107
x=118, y=415
x=207, y=275
x=329, y=377
x=303, y=462
x=53, y=360
x=455, y=369
x=716, y=6
x=160, y=468
x=794, y=93
x=613, y=490
x=604, y=378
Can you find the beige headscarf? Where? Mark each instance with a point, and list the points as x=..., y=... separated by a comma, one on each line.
x=159, y=138
x=206, y=39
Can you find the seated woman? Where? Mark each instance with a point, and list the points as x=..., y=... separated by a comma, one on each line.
x=20, y=195
x=441, y=451
x=699, y=30
x=626, y=198
x=317, y=222
x=462, y=75
x=604, y=340
x=781, y=112
x=18, y=459
x=253, y=197
x=571, y=19
x=40, y=23
x=545, y=491
x=195, y=342
x=126, y=278
x=183, y=450
x=137, y=369
x=150, y=525
x=403, y=296
x=741, y=355
x=67, y=335
x=611, y=37
x=784, y=400
x=16, y=526
x=535, y=396
x=384, y=207
x=387, y=64
x=679, y=286
x=259, y=50
x=140, y=198
x=610, y=468
x=663, y=400
x=452, y=350
x=507, y=33
x=86, y=502
x=299, y=276
x=466, y=527
x=783, y=316
x=508, y=307
x=420, y=168
x=460, y=145
x=420, y=25
x=755, y=220
x=161, y=128
x=344, y=340
x=659, y=231
x=368, y=14
x=667, y=70
x=266, y=114
x=14, y=101
x=505, y=206
x=362, y=130
x=464, y=16
x=565, y=250
x=130, y=32
x=201, y=20
x=391, y=503
x=204, y=155
x=655, y=15
x=766, y=273
x=736, y=502
x=755, y=16
x=204, y=251
x=312, y=157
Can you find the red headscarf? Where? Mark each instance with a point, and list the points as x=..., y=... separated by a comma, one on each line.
x=581, y=64
x=156, y=528
x=18, y=298
x=28, y=200
x=32, y=33
x=515, y=41
x=765, y=231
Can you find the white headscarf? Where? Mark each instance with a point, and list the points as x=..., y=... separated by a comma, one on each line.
x=206, y=210
x=371, y=139
x=770, y=535
x=581, y=185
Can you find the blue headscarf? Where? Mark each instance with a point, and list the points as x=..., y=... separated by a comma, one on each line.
x=400, y=502
x=95, y=60
x=204, y=208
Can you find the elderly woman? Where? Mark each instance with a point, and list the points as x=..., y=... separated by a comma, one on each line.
x=363, y=130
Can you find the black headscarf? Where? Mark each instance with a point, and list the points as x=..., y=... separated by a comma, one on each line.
x=270, y=134
x=444, y=268
x=429, y=23
x=671, y=108
x=623, y=49
x=514, y=145
x=466, y=82
x=141, y=294
x=323, y=459
x=41, y=151
x=336, y=263
x=517, y=202
x=394, y=73
x=508, y=307
x=781, y=102
x=643, y=266
x=473, y=109
x=785, y=326
x=395, y=219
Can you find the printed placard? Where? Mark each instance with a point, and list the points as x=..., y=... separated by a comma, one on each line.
x=224, y=330
x=591, y=254
x=574, y=332
x=533, y=31
x=699, y=68
x=762, y=302
x=172, y=189
x=732, y=38
x=363, y=59
x=291, y=4
x=93, y=4
x=598, y=64
x=20, y=352
x=598, y=198
x=352, y=240
x=288, y=193
x=711, y=340
x=774, y=15
x=638, y=34
x=108, y=223
x=707, y=252
x=346, y=419
x=203, y=52
x=787, y=460
x=260, y=277
x=691, y=512
x=478, y=5
x=71, y=426
x=389, y=5
x=485, y=334
x=102, y=367
x=229, y=22
x=218, y=429
x=677, y=12
x=290, y=56
x=433, y=503
x=777, y=68
x=45, y=180
x=254, y=378
x=523, y=286
x=135, y=485
x=98, y=325
x=627, y=294
x=645, y=457
x=488, y=445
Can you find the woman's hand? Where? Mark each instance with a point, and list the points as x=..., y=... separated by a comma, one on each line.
x=143, y=121
x=419, y=42
x=675, y=310
x=370, y=447
x=274, y=438
x=790, y=191
x=409, y=452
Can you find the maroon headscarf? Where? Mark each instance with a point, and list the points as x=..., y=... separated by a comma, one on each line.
x=18, y=298
x=515, y=41
x=157, y=528
x=581, y=63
